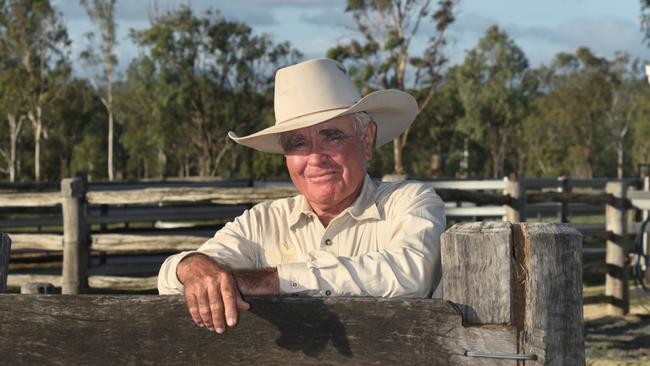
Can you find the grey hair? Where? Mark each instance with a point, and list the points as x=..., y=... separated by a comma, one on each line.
x=361, y=120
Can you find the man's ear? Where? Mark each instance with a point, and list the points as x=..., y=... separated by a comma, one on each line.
x=369, y=139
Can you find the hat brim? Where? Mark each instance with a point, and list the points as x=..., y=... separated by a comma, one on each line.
x=392, y=110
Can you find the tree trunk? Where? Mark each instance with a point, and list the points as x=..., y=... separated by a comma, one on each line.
x=15, y=128
x=37, y=124
x=162, y=163
x=619, y=159
x=494, y=150
x=397, y=152
x=111, y=175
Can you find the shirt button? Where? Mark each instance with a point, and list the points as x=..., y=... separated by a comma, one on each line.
x=294, y=285
x=328, y=242
x=328, y=293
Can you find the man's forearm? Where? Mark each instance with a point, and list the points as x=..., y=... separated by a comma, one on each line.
x=258, y=282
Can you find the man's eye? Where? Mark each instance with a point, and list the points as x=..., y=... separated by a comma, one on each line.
x=294, y=145
x=335, y=137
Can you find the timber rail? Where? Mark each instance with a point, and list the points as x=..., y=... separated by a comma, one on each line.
x=511, y=292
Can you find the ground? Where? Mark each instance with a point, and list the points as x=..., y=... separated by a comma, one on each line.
x=617, y=341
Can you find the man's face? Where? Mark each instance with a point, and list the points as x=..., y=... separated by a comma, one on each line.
x=326, y=161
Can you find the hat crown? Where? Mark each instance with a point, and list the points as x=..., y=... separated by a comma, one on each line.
x=311, y=87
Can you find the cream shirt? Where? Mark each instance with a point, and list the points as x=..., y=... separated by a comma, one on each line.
x=387, y=244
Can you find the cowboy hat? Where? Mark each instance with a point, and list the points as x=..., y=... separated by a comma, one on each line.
x=315, y=91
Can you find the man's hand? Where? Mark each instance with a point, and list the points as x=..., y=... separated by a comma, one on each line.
x=211, y=292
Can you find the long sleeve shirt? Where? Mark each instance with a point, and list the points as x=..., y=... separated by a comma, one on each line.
x=387, y=244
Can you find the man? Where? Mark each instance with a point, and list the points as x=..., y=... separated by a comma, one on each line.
x=344, y=235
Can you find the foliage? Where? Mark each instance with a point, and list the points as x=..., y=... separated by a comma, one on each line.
x=494, y=86
x=199, y=76
x=382, y=57
x=210, y=75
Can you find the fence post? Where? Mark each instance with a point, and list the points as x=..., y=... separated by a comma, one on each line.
x=616, y=280
x=75, y=236
x=646, y=248
x=515, y=189
x=528, y=275
x=5, y=252
x=564, y=187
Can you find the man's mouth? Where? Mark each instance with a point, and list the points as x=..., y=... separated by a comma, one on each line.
x=321, y=175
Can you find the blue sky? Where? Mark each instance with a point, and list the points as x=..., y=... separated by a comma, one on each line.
x=540, y=28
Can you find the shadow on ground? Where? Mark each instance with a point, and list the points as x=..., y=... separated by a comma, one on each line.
x=618, y=341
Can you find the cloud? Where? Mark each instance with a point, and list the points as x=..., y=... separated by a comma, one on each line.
x=604, y=36
x=329, y=18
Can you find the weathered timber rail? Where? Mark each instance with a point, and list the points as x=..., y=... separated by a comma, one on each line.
x=511, y=290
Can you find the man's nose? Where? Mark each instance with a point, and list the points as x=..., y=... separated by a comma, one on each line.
x=317, y=154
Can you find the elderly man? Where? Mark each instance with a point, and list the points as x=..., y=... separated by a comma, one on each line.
x=344, y=235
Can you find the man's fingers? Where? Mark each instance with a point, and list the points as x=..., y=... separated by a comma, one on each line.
x=216, y=308
x=204, y=309
x=193, y=306
x=229, y=293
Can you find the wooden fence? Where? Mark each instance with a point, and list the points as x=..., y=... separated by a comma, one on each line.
x=511, y=292
x=83, y=205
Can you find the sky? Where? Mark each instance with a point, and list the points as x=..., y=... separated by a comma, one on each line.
x=540, y=28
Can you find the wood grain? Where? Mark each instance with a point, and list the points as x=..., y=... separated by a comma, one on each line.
x=551, y=274
x=151, y=330
x=477, y=267
x=30, y=199
x=113, y=243
x=218, y=195
x=75, y=236
x=616, y=279
x=129, y=243
x=119, y=283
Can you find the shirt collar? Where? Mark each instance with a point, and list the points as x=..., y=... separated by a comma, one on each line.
x=364, y=207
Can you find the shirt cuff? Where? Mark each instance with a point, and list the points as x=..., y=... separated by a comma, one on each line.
x=168, y=282
x=296, y=278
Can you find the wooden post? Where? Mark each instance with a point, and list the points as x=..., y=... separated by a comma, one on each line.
x=564, y=187
x=5, y=252
x=646, y=242
x=515, y=189
x=75, y=236
x=616, y=280
x=528, y=275
x=37, y=288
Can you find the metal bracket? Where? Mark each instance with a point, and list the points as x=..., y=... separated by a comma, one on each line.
x=502, y=356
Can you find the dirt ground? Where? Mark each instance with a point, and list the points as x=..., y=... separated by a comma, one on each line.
x=613, y=341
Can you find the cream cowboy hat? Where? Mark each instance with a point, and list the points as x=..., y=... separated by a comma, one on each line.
x=315, y=91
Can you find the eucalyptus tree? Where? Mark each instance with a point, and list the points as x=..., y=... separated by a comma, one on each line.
x=383, y=57
x=34, y=35
x=212, y=75
x=572, y=116
x=494, y=84
x=102, y=14
x=11, y=105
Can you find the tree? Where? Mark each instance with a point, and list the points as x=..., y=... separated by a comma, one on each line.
x=494, y=85
x=34, y=34
x=10, y=102
x=102, y=13
x=383, y=58
x=212, y=75
x=626, y=83
x=573, y=113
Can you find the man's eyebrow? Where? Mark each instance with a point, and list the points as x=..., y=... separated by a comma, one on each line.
x=289, y=142
x=330, y=131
